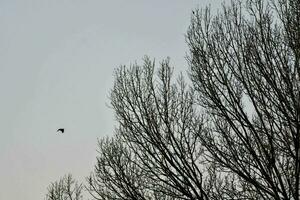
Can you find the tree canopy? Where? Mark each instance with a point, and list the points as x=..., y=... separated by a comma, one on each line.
x=65, y=189
x=233, y=133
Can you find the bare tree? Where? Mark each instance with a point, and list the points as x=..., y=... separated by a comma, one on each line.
x=156, y=153
x=65, y=189
x=244, y=65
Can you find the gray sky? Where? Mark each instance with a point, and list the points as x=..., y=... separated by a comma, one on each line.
x=56, y=64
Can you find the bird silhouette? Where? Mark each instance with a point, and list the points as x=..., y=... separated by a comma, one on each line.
x=62, y=130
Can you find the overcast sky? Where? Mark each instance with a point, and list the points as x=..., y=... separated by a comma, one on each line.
x=56, y=69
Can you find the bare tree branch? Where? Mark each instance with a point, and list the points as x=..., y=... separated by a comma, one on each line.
x=245, y=71
x=65, y=189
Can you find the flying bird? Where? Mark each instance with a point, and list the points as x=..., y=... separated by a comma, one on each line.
x=62, y=130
